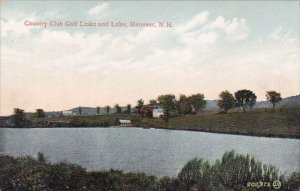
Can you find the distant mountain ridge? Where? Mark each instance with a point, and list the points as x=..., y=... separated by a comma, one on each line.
x=288, y=101
x=93, y=110
x=211, y=105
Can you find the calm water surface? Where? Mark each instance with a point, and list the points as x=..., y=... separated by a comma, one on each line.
x=153, y=151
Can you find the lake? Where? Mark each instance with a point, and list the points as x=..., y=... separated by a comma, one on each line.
x=153, y=151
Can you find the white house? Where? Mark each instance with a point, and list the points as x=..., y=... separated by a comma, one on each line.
x=157, y=113
x=68, y=113
x=124, y=122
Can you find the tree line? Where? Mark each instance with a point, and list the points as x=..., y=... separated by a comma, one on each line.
x=244, y=98
x=195, y=103
x=185, y=105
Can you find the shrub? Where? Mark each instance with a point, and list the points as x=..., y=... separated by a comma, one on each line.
x=41, y=157
x=232, y=171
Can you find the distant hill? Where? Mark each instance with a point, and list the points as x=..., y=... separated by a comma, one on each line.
x=93, y=110
x=211, y=105
x=289, y=101
x=85, y=110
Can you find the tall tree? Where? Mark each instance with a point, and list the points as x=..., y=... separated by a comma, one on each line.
x=19, y=118
x=128, y=108
x=80, y=110
x=245, y=98
x=39, y=113
x=167, y=102
x=226, y=101
x=252, y=101
x=107, y=109
x=197, y=101
x=273, y=97
x=184, y=105
x=118, y=109
x=140, y=104
x=152, y=102
x=98, y=110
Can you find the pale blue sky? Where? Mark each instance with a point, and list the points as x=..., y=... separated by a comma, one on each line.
x=213, y=46
x=262, y=16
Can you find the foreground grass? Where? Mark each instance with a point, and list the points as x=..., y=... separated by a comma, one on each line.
x=31, y=174
x=232, y=172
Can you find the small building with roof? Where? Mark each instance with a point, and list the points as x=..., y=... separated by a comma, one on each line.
x=124, y=123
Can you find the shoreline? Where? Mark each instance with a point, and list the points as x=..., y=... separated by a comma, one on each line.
x=278, y=124
x=281, y=136
x=235, y=133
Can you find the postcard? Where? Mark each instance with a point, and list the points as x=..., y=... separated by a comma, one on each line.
x=149, y=95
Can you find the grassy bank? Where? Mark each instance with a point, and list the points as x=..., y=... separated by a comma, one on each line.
x=284, y=122
x=281, y=123
x=84, y=121
x=232, y=172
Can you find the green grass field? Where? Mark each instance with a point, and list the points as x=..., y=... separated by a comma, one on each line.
x=281, y=123
x=284, y=122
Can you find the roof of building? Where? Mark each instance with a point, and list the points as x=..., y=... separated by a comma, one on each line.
x=124, y=121
x=148, y=108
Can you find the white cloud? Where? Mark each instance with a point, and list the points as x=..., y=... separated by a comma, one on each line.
x=195, y=22
x=12, y=26
x=13, y=23
x=98, y=10
x=235, y=29
x=201, y=30
x=197, y=56
x=281, y=35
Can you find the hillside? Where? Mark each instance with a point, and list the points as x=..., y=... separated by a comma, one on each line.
x=289, y=101
x=281, y=123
